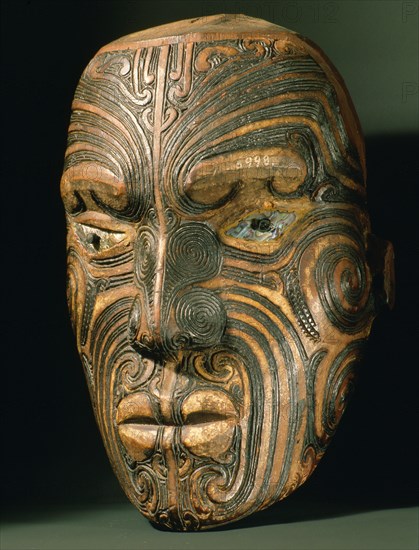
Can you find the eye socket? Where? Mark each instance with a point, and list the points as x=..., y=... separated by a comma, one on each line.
x=262, y=226
x=97, y=240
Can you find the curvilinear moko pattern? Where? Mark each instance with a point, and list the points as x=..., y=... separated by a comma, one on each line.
x=220, y=279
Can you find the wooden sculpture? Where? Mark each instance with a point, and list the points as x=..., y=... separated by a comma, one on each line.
x=222, y=277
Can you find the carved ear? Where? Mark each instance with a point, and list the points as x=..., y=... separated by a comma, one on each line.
x=381, y=262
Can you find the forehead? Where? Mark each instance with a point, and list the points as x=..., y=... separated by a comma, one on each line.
x=161, y=116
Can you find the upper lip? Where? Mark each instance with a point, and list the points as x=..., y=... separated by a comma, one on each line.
x=199, y=407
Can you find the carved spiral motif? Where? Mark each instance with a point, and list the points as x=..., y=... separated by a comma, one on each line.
x=147, y=491
x=201, y=314
x=219, y=366
x=338, y=397
x=343, y=288
x=133, y=371
x=340, y=384
x=194, y=253
x=175, y=95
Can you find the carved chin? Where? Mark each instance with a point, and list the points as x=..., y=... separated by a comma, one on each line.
x=181, y=431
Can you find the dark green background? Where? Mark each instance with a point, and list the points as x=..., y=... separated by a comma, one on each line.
x=52, y=455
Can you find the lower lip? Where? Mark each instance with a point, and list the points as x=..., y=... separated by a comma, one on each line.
x=209, y=424
x=209, y=439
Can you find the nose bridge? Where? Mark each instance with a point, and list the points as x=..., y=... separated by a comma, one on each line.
x=170, y=264
x=150, y=270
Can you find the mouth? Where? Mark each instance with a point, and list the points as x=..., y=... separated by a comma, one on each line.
x=206, y=421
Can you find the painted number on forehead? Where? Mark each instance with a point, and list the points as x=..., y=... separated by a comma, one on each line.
x=254, y=161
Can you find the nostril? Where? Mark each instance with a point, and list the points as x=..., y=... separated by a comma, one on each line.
x=145, y=340
x=146, y=346
x=181, y=340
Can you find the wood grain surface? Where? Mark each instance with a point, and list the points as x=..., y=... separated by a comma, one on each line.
x=222, y=276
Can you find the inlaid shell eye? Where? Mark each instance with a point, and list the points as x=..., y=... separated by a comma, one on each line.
x=97, y=240
x=262, y=226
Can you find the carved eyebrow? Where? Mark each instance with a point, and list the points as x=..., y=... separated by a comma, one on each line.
x=213, y=179
x=83, y=182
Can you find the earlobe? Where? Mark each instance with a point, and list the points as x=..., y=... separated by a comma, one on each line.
x=381, y=262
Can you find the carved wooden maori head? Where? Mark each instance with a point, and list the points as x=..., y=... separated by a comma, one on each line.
x=222, y=278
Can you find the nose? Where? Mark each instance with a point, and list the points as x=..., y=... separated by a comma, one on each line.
x=176, y=312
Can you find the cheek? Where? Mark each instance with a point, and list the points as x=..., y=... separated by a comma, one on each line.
x=77, y=296
x=306, y=338
x=98, y=294
x=327, y=299
x=260, y=327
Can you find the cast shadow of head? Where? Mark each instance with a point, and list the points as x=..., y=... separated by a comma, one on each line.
x=371, y=461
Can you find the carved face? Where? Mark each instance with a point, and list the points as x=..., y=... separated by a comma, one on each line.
x=217, y=274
